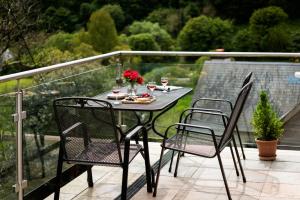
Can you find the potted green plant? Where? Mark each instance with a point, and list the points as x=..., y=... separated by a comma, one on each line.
x=267, y=128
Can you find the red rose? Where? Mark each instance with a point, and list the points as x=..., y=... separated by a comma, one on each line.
x=134, y=75
x=140, y=80
x=127, y=73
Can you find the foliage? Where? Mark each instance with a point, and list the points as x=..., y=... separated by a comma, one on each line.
x=17, y=21
x=200, y=63
x=266, y=124
x=50, y=56
x=295, y=41
x=10, y=86
x=60, y=40
x=160, y=36
x=102, y=31
x=276, y=40
x=204, y=33
x=168, y=19
x=191, y=10
x=143, y=42
x=244, y=41
x=178, y=75
x=263, y=19
x=116, y=13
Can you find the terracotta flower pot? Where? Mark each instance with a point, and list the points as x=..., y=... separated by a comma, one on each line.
x=267, y=149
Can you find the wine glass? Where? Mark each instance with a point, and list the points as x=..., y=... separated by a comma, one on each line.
x=151, y=86
x=116, y=91
x=164, y=81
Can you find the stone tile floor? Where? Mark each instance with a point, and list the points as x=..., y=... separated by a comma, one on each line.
x=199, y=178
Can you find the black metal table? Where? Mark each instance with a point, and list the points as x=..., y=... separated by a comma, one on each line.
x=163, y=103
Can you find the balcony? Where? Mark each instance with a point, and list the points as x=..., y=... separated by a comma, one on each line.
x=220, y=76
x=199, y=177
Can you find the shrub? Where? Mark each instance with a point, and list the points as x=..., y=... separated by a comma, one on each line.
x=263, y=19
x=266, y=124
x=204, y=33
x=102, y=31
x=143, y=42
x=161, y=37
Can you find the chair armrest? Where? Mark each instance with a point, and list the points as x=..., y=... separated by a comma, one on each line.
x=133, y=133
x=212, y=99
x=193, y=126
x=68, y=130
x=223, y=115
x=201, y=109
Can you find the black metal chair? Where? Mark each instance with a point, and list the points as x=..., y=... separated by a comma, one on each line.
x=89, y=136
x=218, y=103
x=204, y=141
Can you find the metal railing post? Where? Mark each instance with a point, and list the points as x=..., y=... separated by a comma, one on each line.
x=18, y=119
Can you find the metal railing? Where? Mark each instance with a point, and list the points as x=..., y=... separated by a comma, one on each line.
x=20, y=115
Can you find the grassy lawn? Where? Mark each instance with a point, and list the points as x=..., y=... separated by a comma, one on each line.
x=10, y=86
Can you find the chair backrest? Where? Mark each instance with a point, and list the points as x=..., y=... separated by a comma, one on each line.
x=235, y=114
x=247, y=79
x=82, y=121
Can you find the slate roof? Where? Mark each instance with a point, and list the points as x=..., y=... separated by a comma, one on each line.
x=223, y=79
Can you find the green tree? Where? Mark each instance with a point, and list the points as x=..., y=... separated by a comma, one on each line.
x=102, y=31
x=167, y=18
x=244, y=41
x=116, y=13
x=160, y=36
x=143, y=42
x=267, y=26
x=263, y=19
x=205, y=33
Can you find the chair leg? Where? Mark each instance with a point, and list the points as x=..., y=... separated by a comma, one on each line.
x=158, y=172
x=58, y=174
x=177, y=163
x=171, y=163
x=125, y=171
x=224, y=176
x=90, y=176
x=240, y=140
x=147, y=161
x=239, y=160
x=233, y=158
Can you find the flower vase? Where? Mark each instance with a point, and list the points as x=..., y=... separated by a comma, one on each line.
x=132, y=90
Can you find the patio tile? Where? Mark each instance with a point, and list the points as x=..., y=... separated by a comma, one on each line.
x=283, y=177
x=102, y=190
x=259, y=176
x=286, y=166
x=285, y=191
x=162, y=194
x=244, y=189
x=194, y=195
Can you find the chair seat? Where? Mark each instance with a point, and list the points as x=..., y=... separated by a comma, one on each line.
x=192, y=143
x=100, y=152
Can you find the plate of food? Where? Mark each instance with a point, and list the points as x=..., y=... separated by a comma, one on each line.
x=139, y=99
